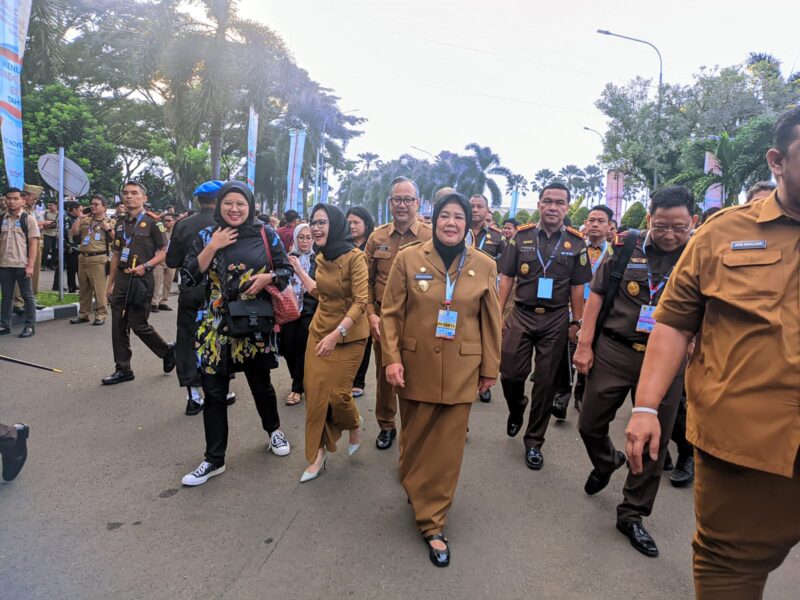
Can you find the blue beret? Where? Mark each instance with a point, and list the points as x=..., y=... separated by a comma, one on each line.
x=209, y=188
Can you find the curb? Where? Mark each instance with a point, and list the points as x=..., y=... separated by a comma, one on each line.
x=64, y=311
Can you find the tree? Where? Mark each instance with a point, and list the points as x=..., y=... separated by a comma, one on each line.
x=594, y=182
x=475, y=175
x=368, y=158
x=522, y=216
x=542, y=178
x=633, y=216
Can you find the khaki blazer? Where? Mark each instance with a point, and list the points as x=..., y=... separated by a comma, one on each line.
x=440, y=370
x=342, y=292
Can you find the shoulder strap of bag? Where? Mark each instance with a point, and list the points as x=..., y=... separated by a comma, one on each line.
x=23, y=223
x=617, y=272
x=266, y=245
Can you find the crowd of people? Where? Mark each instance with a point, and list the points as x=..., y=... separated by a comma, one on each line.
x=688, y=313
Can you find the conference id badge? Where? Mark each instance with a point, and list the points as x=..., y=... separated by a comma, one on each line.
x=545, y=289
x=98, y=236
x=446, y=324
x=126, y=252
x=86, y=240
x=646, y=321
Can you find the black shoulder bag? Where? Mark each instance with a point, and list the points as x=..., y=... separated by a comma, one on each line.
x=617, y=272
x=249, y=317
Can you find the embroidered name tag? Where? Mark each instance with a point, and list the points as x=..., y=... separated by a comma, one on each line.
x=524, y=249
x=566, y=254
x=639, y=260
x=636, y=266
x=419, y=276
x=749, y=245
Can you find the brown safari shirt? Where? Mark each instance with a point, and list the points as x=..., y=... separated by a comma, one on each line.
x=147, y=236
x=738, y=285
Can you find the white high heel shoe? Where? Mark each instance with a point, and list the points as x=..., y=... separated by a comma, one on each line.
x=353, y=448
x=308, y=476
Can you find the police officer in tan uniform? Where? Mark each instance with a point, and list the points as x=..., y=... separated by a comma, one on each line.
x=549, y=264
x=95, y=233
x=382, y=247
x=737, y=284
x=139, y=245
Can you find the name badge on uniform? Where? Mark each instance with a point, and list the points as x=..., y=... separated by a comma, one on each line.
x=97, y=237
x=86, y=240
x=423, y=276
x=446, y=324
x=545, y=288
x=646, y=320
x=126, y=252
x=749, y=245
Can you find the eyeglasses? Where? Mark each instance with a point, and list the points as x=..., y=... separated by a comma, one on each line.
x=398, y=200
x=674, y=228
x=318, y=223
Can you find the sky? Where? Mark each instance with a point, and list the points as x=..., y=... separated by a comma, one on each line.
x=518, y=76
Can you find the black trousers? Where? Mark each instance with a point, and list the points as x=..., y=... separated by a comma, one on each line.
x=49, y=251
x=71, y=263
x=190, y=300
x=294, y=337
x=685, y=449
x=361, y=376
x=215, y=412
x=135, y=319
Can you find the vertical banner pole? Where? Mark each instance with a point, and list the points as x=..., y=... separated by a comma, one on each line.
x=61, y=258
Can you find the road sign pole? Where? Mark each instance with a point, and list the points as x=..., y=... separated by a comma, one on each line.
x=62, y=259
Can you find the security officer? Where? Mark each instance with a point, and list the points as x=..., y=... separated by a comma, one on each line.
x=549, y=264
x=614, y=364
x=487, y=238
x=139, y=245
x=96, y=233
x=190, y=298
x=381, y=249
x=739, y=283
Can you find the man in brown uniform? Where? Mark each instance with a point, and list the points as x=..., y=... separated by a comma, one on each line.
x=549, y=264
x=382, y=247
x=738, y=285
x=139, y=245
x=614, y=364
x=487, y=238
x=96, y=234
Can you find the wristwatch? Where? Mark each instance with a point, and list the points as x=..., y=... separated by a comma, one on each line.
x=148, y=268
x=342, y=331
x=577, y=322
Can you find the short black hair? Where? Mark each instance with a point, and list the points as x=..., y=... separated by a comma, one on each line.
x=71, y=205
x=604, y=209
x=614, y=223
x=672, y=196
x=484, y=198
x=555, y=185
x=783, y=134
x=704, y=217
x=760, y=186
x=101, y=198
x=511, y=220
x=136, y=183
x=11, y=190
x=291, y=215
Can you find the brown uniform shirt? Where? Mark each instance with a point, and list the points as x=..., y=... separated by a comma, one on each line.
x=382, y=247
x=490, y=241
x=342, y=292
x=569, y=267
x=13, y=245
x=634, y=290
x=738, y=285
x=143, y=236
x=92, y=236
x=437, y=370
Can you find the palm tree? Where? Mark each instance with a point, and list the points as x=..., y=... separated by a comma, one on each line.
x=542, y=178
x=368, y=158
x=594, y=181
x=475, y=176
x=573, y=178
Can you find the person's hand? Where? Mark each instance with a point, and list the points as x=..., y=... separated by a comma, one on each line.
x=583, y=359
x=486, y=383
x=394, y=375
x=222, y=238
x=573, y=333
x=295, y=262
x=690, y=348
x=28, y=271
x=326, y=345
x=643, y=429
x=375, y=327
x=274, y=222
x=259, y=282
x=105, y=226
x=137, y=271
x=110, y=290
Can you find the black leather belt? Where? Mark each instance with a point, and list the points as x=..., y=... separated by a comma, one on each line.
x=621, y=340
x=539, y=310
x=93, y=254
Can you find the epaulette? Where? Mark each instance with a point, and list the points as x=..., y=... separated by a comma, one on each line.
x=526, y=226
x=410, y=244
x=495, y=228
x=152, y=215
x=573, y=231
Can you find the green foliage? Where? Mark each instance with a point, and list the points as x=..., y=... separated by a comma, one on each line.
x=497, y=217
x=633, y=216
x=535, y=216
x=523, y=216
x=580, y=216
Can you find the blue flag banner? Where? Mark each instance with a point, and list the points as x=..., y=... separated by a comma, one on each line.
x=294, y=196
x=14, y=15
x=252, y=141
x=514, y=202
x=323, y=193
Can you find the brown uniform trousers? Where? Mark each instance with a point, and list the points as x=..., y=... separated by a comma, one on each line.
x=385, y=397
x=616, y=373
x=163, y=276
x=92, y=282
x=524, y=331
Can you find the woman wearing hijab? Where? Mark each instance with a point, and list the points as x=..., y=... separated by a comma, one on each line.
x=232, y=261
x=336, y=339
x=440, y=338
x=294, y=335
x=361, y=226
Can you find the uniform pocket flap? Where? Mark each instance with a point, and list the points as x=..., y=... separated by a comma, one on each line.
x=382, y=254
x=410, y=344
x=735, y=258
x=469, y=348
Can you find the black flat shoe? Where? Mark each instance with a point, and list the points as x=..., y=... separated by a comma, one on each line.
x=118, y=377
x=560, y=404
x=27, y=332
x=230, y=399
x=512, y=428
x=169, y=359
x=485, y=396
x=15, y=458
x=440, y=558
x=192, y=407
x=164, y=307
x=385, y=439
x=78, y=320
x=578, y=404
x=534, y=459
x=598, y=481
x=683, y=475
x=639, y=538
x=154, y=308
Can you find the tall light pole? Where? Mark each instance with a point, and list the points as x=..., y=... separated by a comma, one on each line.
x=425, y=152
x=660, y=85
x=602, y=148
x=319, y=151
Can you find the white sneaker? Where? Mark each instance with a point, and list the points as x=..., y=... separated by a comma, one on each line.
x=202, y=474
x=278, y=443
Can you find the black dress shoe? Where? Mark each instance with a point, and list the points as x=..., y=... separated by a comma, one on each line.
x=440, y=558
x=5, y=330
x=485, y=396
x=385, y=439
x=598, y=481
x=78, y=320
x=640, y=539
x=534, y=459
x=27, y=332
x=169, y=358
x=164, y=307
x=99, y=322
x=560, y=404
x=578, y=404
x=230, y=399
x=668, y=466
x=118, y=377
x=192, y=407
x=683, y=475
x=154, y=308
x=14, y=458
x=512, y=427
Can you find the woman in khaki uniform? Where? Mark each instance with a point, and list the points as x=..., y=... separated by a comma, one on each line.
x=336, y=338
x=440, y=337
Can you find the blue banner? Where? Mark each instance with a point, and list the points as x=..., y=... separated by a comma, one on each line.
x=252, y=141
x=14, y=15
x=294, y=195
x=514, y=202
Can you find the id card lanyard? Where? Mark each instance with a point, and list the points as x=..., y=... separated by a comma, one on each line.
x=127, y=238
x=446, y=323
x=483, y=241
x=654, y=289
x=595, y=266
x=450, y=286
x=557, y=247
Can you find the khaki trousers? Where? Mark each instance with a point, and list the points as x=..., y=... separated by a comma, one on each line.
x=747, y=522
x=92, y=282
x=385, y=398
x=163, y=276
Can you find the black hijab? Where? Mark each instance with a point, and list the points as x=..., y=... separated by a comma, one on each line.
x=363, y=214
x=449, y=253
x=339, y=240
x=251, y=227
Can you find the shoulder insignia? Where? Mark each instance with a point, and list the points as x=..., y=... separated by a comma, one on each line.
x=495, y=228
x=411, y=244
x=160, y=226
x=152, y=215
x=574, y=231
x=526, y=226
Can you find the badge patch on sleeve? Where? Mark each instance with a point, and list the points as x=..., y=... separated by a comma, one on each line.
x=749, y=245
x=160, y=226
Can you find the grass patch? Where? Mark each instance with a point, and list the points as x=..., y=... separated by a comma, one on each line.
x=51, y=299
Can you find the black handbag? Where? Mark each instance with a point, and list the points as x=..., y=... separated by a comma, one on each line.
x=249, y=317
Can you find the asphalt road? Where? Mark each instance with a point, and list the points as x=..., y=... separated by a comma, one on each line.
x=99, y=512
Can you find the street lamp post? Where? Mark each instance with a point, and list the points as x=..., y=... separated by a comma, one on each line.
x=319, y=151
x=660, y=85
